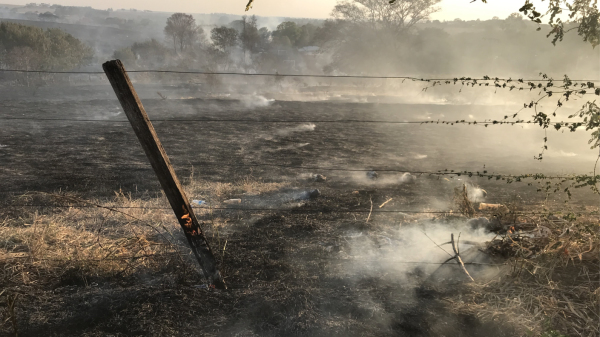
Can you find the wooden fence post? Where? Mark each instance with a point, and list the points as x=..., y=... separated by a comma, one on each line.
x=132, y=106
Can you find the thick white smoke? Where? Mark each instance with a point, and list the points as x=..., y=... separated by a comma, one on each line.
x=395, y=253
x=256, y=101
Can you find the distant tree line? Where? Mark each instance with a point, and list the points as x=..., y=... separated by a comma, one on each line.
x=361, y=37
x=31, y=48
x=242, y=44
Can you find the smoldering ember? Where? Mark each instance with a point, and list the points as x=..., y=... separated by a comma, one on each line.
x=300, y=168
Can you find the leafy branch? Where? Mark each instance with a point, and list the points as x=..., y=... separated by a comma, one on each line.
x=583, y=16
x=589, y=114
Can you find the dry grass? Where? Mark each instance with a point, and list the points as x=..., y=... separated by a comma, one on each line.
x=45, y=247
x=216, y=192
x=111, y=237
x=553, y=288
x=462, y=202
x=42, y=249
x=124, y=240
x=45, y=243
x=553, y=285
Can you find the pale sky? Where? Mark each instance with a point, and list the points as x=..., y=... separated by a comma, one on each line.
x=450, y=9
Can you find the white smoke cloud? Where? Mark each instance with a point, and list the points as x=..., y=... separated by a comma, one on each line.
x=475, y=193
x=256, y=101
x=396, y=253
x=383, y=179
x=299, y=128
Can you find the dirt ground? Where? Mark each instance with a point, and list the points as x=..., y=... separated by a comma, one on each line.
x=309, y=267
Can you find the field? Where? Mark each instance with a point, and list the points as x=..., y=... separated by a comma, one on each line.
x=359, y=259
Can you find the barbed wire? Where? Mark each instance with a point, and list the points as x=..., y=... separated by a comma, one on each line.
x=445, y=172
x=453, y=79
x=114, y=258
x=324, y=209
x=484, y=122
x=292, y=210
x=137, y=257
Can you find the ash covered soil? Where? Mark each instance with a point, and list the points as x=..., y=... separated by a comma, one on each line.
x=100, y=154
x=290, y=272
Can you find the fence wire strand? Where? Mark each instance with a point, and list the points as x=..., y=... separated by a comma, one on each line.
x=289, y=121
x=253, y=209
x=413, y=78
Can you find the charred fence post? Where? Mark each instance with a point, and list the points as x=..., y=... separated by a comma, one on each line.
x=132, y=106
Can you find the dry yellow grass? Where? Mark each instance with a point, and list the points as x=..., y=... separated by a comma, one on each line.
x=106, y=238
x=218, y=191
x=43, y=244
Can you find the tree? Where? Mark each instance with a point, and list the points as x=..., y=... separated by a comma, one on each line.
x=126, y=56
x=393, y=16
x=249, y=37
x=369, y=34
x=150, y=54
x=23, y=58
x=514, y=17
x=183, y=30
x=287, y=29
x=224, y=38
x=282, y=41
x=307, y=35
x=515, y=24
x=53, y=48
x=265, y=37
x=583, y=15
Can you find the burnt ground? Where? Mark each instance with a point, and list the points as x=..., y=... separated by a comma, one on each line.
x=285, y=269
x=285, y=277
x=102, y=156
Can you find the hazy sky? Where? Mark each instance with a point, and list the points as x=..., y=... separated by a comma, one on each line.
x=450, y=9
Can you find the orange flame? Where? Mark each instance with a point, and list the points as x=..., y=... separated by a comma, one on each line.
x=186, y=217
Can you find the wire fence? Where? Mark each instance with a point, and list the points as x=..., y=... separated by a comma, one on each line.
x=276, y=209
x=137, y=257
x=471, y=174
x=338, y=121
x=303, y=209
x=158, y=71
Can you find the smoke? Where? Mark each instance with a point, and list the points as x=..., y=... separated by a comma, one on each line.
x=299, y=128
x=476, y=194
x=107, y=114
x=396, y=254
x=287, y=147
x=285, y=198
x=561, y=153
x=256, y=101
x=363, y=178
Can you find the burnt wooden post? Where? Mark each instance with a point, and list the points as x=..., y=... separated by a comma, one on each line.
x=162, y=167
